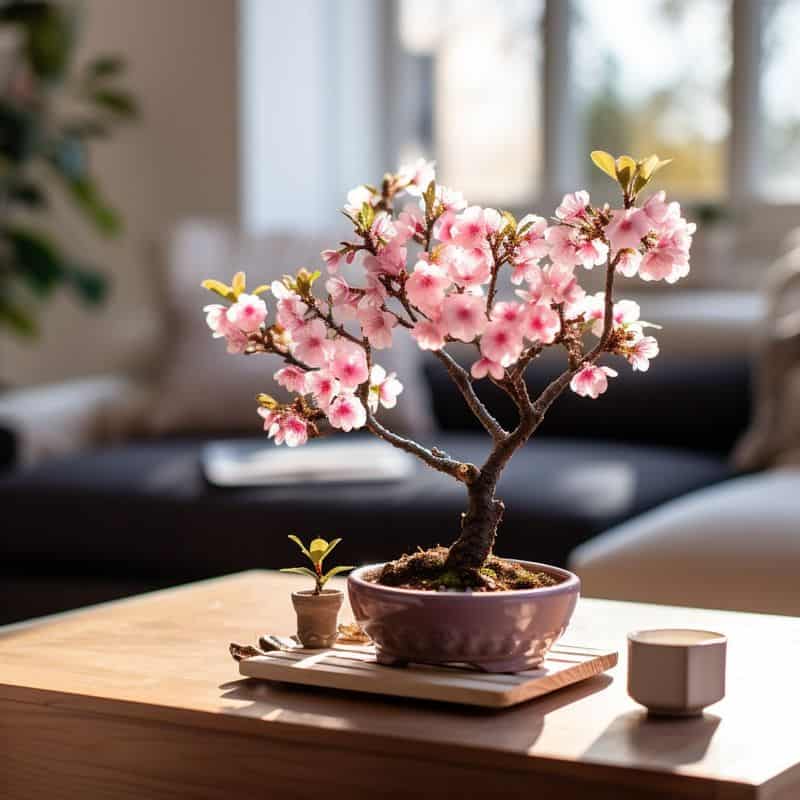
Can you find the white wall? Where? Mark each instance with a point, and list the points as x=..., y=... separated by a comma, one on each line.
x=180, y=159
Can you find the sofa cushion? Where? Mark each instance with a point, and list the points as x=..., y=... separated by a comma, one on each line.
x=733, y=546
x=693, y=403
x=145, y=508
x=202, y=389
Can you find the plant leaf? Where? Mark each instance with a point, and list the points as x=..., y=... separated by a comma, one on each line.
x=238, y=284
x=335, y=571
x=117, y=102
x=90, y=285
x=297, y=541
x=330, y=547
x=17, y=319
x=37, y=261
x=218, y=287
x=105, y=66
x=318, y=548
x=605, y=162
x=300, y=571
x=105, y=219
x=260, y=289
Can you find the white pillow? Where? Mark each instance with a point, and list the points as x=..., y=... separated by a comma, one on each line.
x=201, y=388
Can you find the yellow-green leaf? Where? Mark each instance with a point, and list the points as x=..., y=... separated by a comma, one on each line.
x=334, y=571
x=219, y=288
x=318, y=548
x=297, y=541
x=625, y=162
x=239, y=283
x=648, y=166
x=605, y=162
x=260, y=289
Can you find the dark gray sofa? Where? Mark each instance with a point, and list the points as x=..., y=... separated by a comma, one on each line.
x=131, y=517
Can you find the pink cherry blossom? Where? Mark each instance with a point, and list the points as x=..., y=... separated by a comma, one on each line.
x=626, y=312
x=429, y=334
x=346, y=412
x=310, y=343
x=531, y=250
x=217, y=320
x=443, y=227
x=247, y=313
x=284, y=427
x=377, y=326
x=322, y=386
x=467, y=267
x=573, y=206
x=291, y=378
x=628, y=262
x=291, y=310
x=383, y=388
x=464, y=316
x=591, y=381
x=540, y=323
x=591, y=253
x=665, y=261
x=344, y=300
x=493, y=220
x=450, y=199
x=469, y=228
x=483, y=367
x=417, y=176
x=563, y=243
x=554, y=284
x=426, y=287
x=641, y=352
x=627, y=228
x=509, y=312
x=349, y=363
x=332, y=259
x=374, y=293
x=410, y=222
x=501, y=342
x=356, y=199
x=383, y=227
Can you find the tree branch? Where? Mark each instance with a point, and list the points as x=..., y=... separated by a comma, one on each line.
x=464, y=472
x=462, y=380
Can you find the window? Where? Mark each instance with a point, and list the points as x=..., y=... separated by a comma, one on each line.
x=652, y=77
x=781, y=106
x=482, y=62
x=515, y=93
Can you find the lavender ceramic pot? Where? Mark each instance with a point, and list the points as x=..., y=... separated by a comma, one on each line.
x=495, y=631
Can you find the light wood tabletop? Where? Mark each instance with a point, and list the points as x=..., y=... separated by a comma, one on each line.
x=140, y=699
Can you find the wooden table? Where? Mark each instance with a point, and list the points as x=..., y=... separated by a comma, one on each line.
x=140, y=699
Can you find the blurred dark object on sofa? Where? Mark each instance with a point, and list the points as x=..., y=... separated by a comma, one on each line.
x=138, y=515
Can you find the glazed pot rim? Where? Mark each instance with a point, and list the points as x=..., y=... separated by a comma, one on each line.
x=570, y=582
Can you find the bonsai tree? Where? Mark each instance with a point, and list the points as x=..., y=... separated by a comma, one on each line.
x=431, y=267
x=316, y=552
x=50, y=113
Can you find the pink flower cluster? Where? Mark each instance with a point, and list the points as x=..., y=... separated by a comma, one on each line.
x=431, y=266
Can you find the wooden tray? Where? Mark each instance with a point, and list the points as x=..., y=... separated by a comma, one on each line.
x=353, y=668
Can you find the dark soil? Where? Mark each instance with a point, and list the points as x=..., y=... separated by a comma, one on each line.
x=425, y=570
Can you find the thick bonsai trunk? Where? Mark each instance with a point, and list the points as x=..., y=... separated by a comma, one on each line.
x=478, y=528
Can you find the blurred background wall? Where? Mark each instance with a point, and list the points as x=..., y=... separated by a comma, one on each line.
x=179, y=159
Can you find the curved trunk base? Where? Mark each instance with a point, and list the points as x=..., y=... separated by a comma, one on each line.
x=478, y=531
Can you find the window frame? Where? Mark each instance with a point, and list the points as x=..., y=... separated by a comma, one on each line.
x=559, y=113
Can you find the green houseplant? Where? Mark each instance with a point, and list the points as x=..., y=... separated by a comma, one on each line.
x=50, y=113
x=317, y=609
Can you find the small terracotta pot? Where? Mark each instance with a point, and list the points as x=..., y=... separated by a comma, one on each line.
x=317, y=615
x=495, y=631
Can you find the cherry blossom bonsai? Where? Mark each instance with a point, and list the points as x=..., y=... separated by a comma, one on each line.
x=432, y=267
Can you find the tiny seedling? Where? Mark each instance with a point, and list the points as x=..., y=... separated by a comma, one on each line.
x=316, y=553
